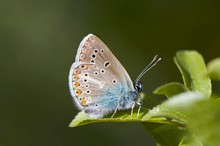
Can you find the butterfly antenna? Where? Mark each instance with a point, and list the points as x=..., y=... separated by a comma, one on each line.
x=148, y=67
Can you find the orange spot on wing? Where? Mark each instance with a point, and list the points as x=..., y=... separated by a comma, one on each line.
x=77, y=71
x=78, y=92
x=83, y=101
x=84, y=67
x=76, y=84
x=75, y=77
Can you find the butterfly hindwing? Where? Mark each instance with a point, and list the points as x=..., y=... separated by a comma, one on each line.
x=97, y=80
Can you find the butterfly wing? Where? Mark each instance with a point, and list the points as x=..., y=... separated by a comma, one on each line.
x=97, y=80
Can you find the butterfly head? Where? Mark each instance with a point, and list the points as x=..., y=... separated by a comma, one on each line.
x=139, y=86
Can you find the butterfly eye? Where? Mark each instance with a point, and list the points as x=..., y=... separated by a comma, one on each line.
x=139, y=86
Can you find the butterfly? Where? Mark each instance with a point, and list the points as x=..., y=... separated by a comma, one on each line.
x=98, y=82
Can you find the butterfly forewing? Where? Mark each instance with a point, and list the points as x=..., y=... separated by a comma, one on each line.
x=97, y=75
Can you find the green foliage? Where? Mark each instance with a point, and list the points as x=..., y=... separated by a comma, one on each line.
x=170, y=89
x=193, y=70
x=205, y=121
x=189, y=117
x=120, y=116
x=214, y=69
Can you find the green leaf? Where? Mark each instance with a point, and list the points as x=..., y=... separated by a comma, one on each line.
x=171, y=135
x=120, y=116
x=175, y=109
x=214, y=69
x=165, y=135
x=194, y=72
x=166, y=113
x=166, y=122
x=190, y=140
x=204, y=122
x=183, y=101
x=163, y=113
x=170, y=89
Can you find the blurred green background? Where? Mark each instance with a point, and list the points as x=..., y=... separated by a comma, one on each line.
x=38, y=43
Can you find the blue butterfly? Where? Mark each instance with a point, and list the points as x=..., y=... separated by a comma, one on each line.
x=98, y=82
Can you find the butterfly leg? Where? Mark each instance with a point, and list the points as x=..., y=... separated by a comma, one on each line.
x=132, y=109
x=114, y=112
x=139, y=108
